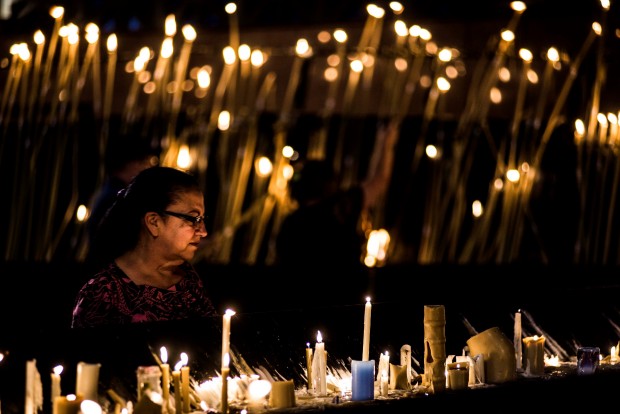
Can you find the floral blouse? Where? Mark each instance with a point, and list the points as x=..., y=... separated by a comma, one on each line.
x=111, y=297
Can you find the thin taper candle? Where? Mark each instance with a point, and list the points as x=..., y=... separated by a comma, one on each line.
x=366, y=343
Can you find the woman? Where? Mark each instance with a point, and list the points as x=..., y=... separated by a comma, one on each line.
x=145, y=244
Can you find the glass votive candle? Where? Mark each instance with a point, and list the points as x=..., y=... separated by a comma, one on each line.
x=588, y=359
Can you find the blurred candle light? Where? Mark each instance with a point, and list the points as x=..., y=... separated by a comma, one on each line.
x=56, y=389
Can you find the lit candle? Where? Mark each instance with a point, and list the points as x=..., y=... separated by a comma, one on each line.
x=165, y=377
x=67, y=405
x=225, y=357
x=366, y=343
x=87, y=381
x=176, y=380
x=309, y=365
x=517, y=340
x=362, y=380
x=613, y=355
x=459, y=377
x=226, y=334
x=225, y=372
x=384, y=365
x=534, y=355
x=319, y=366
x=185, y=385
x=56, y=382
x=384, y=385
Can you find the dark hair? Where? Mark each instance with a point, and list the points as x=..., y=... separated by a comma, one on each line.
x=153, y=189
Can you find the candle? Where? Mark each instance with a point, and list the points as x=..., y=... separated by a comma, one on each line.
x=588, y=359
x=33, y=381
x=185, y=388
x=362, y=380
x=366, y=343
x=613, y=355
x=225, y=357
x=459, y=377
x=517, y=340
x=309, y=365
x=384, y=365
x=225, y=372
x=405, y=360
x=319, y=366
x=534, y=355
x=56, y=391
x=282, y=394
x=87, y=381
x=226, y=335
x=176, y=380
x=384, y=385
x=165, y=377
x=67, y=405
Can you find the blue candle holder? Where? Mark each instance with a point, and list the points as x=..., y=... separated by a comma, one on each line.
x=362, y=380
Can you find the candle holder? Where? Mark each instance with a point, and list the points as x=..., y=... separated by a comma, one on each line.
x=588, y=358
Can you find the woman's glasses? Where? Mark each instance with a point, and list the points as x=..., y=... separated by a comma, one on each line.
x=195, y=220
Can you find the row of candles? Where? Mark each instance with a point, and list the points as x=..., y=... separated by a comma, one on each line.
x=466, y=371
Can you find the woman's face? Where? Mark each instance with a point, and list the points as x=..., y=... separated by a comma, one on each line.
x=181, y=235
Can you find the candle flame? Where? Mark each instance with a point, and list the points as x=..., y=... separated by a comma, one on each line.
x=367, y=299
x=39, y=37
x=57, y=12
x=189, y=33
x=319, y=337
x=170, y=26
x=112, y=43
x=230, y=312
x=230, y=8
x=163, y=352
x=58, y=369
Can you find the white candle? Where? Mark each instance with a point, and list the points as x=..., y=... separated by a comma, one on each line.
x=87, y=382
x=384, y=384
x=165, y=376
x=384, y=365
x=224, y=394
x=56, y=383
x=225, y=358
x=366, y=343
x=320, y=366
x=517, y=341
x=405, y=360
x=226, y=334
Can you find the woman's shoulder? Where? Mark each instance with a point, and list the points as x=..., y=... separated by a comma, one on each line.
x=106, y=276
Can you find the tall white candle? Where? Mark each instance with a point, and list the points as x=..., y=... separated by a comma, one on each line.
x=87, y=382
x=56, y=391
x=226, y=334
x=517, y=341
x=225, y=358
x=366, y=343
x=320, y=368
x=224, y=394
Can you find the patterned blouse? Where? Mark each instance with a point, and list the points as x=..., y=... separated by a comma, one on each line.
x=111, y=297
